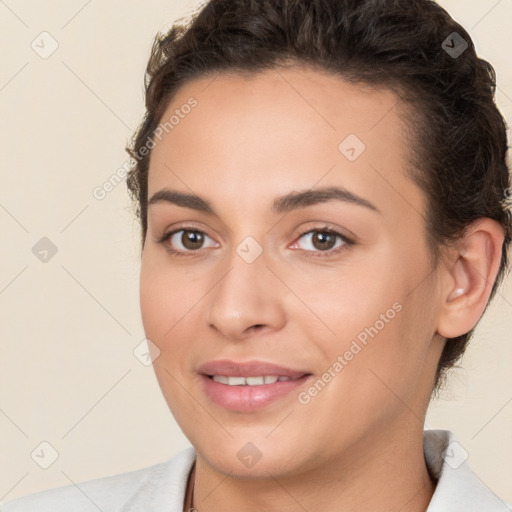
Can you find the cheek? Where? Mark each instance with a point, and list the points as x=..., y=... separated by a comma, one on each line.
x=350, y=298
x=168, y=300
x=154, y=302
x=367, y=315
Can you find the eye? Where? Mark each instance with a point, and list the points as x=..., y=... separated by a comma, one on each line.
x=322, y=240
x=186, y=240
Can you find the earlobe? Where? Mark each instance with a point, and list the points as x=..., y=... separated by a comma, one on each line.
x=469, y=278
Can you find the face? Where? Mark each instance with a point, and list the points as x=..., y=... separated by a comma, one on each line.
x=305, y=249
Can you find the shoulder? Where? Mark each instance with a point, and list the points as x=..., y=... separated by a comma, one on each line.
x=124, y=491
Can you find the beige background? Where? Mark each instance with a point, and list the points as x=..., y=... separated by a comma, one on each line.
x=68, y=375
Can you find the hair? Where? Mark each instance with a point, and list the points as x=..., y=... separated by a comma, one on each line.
x=456, y=135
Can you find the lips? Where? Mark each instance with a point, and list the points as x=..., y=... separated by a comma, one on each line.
x=249, y=369
x=250, y=386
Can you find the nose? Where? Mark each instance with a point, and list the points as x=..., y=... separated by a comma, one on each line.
x=247, y=298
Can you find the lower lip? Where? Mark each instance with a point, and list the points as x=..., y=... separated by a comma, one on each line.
x=249, y=398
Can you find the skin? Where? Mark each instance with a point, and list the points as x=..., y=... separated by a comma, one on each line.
x=357, y=445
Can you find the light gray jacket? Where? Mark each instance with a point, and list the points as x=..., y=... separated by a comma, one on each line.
x=161, y=487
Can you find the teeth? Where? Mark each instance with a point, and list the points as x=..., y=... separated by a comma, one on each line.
x=254, y=381
x=236, y=381
x=249, y=381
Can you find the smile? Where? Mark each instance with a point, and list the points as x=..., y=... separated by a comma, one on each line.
x=249, y=381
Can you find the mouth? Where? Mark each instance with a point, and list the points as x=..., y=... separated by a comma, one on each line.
x=248, y=370
x=260, y=380
x=249, y=386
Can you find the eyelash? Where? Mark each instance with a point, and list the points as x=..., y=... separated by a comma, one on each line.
x=347, y=242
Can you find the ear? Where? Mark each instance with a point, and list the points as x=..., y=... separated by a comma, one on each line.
x=468, y=277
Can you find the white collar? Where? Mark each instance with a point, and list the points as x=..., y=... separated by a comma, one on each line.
x=458, y=488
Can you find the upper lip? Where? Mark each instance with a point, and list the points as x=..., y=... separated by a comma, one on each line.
x=248, y=369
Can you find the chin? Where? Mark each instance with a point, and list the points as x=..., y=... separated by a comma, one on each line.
x=238, y=463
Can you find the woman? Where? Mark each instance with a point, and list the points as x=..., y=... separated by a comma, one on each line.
x=322, y=189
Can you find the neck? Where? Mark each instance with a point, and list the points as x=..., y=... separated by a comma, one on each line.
x=384, y=472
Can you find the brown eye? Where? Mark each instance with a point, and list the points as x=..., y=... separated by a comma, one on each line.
x=323, y=240
x=183, y=241
x=192, y=239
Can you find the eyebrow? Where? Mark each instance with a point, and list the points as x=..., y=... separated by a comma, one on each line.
x=282, y=204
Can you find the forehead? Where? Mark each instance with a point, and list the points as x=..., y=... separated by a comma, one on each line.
x=283, y=128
